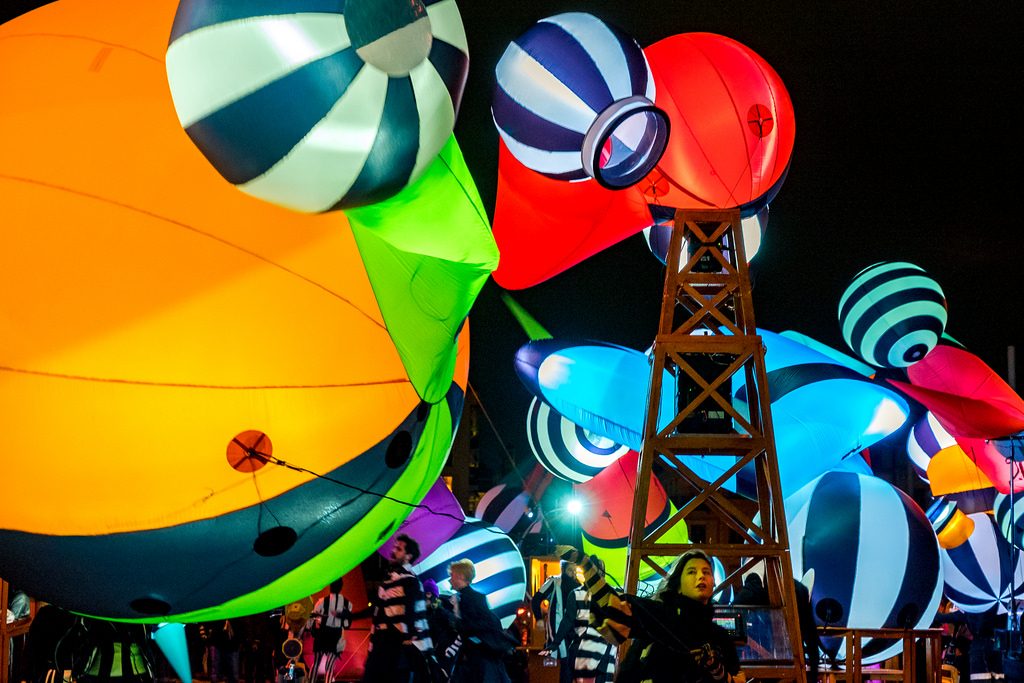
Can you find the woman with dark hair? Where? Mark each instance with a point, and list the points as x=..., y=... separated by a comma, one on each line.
x=675, y=639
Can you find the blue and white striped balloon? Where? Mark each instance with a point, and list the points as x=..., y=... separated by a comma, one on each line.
x=927, y=438
x=575, y=100
x=979, y=572
x=564, y=448
x=500, y=572
x=1010, y=518
x=892, y=314
x=872, y=550
x=318, y=105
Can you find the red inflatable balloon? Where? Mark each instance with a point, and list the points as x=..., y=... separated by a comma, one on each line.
x=966, y=395
x=731, y=139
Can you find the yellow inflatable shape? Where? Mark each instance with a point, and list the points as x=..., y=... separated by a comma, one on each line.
x=951, y=471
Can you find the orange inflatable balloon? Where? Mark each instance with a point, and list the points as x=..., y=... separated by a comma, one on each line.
x=168, y=343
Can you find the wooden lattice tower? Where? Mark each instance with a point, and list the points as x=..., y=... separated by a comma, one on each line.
x=706, y=336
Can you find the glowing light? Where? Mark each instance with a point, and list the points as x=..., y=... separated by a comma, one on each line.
x=574, y=506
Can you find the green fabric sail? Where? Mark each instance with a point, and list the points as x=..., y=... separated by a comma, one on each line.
x=533, y=329
x=428, y=251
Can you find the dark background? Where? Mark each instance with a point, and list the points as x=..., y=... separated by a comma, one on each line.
x=907, y=148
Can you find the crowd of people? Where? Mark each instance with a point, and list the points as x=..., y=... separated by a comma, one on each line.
x=419, y=635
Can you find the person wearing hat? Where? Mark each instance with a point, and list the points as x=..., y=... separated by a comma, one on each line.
x=441, y=620
x=675, y=639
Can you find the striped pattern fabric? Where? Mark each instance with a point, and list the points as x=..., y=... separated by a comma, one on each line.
x=1010, y=518
x=306, y=106
x=562, y=89
x=927, y=438
x=507, y=507
x=500, y=572
x=872, y=550
x=892, y=314
x=402, y=607
x=613, y=618
x=979, y=573
x=565, y=449
x=335, y=611
x=595, y=657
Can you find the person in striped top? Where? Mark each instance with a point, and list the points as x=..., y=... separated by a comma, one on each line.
x=332, y=614
x=595, y=657
x=400, y=644
x=674, y=637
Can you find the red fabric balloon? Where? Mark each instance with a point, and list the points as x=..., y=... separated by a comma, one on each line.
x=731, y=139
x=993, y=464
x=966, y=395
x=609, y=495
x=733, y=124
x=545, y=226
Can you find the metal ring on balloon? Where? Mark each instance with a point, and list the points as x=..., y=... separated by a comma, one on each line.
x=612, y=163
x=318, y=106
x=564, y=448
x=575, y=100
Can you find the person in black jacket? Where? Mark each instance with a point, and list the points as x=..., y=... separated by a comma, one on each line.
x=484, y=642
x=674, y=637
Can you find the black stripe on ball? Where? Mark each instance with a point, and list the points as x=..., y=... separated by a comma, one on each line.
x=393, y=154
x=235, y=138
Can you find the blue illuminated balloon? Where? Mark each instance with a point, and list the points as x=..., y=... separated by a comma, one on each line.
x=823, y=412
x=500, y=572
x=599, y=386
x=979, y=573
x=872, y=550
x=575, y=100
x=318, y=106
x=564, y=448
x=892, y=314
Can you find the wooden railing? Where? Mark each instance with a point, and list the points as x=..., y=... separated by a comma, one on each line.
x=928, y=640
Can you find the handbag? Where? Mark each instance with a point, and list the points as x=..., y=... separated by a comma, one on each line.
x=340, y=646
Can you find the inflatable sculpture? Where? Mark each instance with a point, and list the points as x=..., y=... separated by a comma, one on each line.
x=218, y=388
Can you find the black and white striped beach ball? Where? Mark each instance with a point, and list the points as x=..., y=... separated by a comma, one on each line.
x=872, y=550
x=316, y=104
x=1009, y=516
x=564, y=448
x=500, y=571
x=892, y=314
x=980, y=572
x=924, y=441
x=575, y=100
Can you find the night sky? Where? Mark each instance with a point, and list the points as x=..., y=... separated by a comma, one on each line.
x=906, y=149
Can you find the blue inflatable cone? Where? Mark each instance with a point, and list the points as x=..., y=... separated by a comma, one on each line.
x=171, y=640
